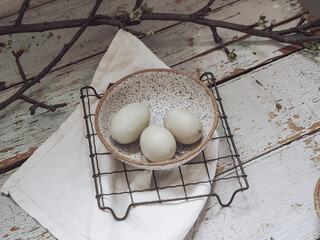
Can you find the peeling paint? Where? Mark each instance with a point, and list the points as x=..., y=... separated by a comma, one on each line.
x=17, y=158
x=14, y=228
x=289, y=49
x=272, y=115
x=236, y=71
x=278, y=106
x=290, y=139
x=6, y=149
x=33, y=229
x=293, y=126
x=308, y=141
x=220, y=170
x=17, y=122
x=315, y=126
x=191, y=42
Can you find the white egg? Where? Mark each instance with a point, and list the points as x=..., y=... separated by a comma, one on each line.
x=157, y=144
x=129, y=122
x=184, y=125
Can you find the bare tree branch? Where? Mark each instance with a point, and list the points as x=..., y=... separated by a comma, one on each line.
x=64, y=50
x=137, y=5
x=219, y=40
x=275, y=35
x=206, y=9
x=17, y=56
x=24, y=6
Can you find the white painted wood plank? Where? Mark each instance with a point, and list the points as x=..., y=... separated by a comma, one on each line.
x=15, y=223
x=284, y=107
x=95, y=40
x=279, y=203
x=28, y=132
x=273, y=105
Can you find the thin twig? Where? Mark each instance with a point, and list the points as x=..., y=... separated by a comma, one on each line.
x=204, y=10
x=302, y=20
x=17, y=56
x=219, y=40
x=312, y=24
x=17, y=95
x=24, y=6
x=137, y=5
x=293, y=39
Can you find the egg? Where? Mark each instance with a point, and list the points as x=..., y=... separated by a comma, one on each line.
x=185, y=126
x=129, y=122
x=157, y=144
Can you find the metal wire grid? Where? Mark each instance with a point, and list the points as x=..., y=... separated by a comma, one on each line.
x=232, y=159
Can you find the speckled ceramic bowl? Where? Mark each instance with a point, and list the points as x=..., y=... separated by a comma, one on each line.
x=161, y=90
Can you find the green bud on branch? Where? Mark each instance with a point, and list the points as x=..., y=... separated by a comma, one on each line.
x=262, y=21
x=6, y=45
x=312, y=46
x=24, y=46
x=232, y=55
x=150, y=33
x=135, y=16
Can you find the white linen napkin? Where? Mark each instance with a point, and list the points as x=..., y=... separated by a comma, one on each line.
x=55, y=185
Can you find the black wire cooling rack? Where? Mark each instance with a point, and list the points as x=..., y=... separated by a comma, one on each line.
x=229, y=171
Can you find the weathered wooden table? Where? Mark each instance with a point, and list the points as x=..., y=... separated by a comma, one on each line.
x=271, y=95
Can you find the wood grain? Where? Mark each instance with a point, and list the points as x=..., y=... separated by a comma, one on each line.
x=23, y=133
x=273, y=105
x=16, y=223
x=278, y=204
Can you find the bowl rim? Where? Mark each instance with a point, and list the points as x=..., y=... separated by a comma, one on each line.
x=165, y=162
